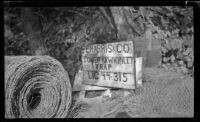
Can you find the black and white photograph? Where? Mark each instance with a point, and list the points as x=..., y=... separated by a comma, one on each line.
x=99, y=61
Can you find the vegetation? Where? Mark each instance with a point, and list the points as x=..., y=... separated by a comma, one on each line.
x=61, y=32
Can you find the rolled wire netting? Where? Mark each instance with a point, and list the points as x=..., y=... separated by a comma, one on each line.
x=36, y=87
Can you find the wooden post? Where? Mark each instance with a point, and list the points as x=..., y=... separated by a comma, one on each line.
x=134, y=68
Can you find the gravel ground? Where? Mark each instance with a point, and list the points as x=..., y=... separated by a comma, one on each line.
x=163, y=94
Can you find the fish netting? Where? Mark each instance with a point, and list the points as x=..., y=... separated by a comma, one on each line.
x=36, y=87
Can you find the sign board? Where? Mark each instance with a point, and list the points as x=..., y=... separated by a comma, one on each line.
x=110, y=65
x=79, y=86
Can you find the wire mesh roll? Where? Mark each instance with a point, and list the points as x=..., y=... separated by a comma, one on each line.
x=36, y=87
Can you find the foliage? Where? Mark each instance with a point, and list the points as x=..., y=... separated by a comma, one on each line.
x=173, y=25
x=63, y=31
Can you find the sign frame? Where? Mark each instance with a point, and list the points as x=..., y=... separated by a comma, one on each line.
x=100, y=82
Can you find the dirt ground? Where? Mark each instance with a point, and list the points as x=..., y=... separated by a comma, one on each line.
x=163, y=94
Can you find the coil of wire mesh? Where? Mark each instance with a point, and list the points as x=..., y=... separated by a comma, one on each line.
x=36, y=87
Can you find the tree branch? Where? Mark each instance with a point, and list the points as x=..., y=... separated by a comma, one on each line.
x=109, y=18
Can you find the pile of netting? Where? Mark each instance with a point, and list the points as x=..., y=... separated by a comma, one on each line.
x=36, y=87
x=163, y=94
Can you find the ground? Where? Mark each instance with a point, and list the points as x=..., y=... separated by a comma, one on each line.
x=163, y=94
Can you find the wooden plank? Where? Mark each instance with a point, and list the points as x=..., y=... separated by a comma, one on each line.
x=153, y=58
x=110, y=65
x=79, y=86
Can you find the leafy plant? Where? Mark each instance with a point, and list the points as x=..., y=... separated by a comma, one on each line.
x=61, y=32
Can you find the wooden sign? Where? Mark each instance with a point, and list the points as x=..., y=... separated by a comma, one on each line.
x=79, y=86
x=110, y=65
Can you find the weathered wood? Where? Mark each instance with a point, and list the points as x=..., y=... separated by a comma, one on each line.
x=79, y=86
x=111, y=65
x=153, y=58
